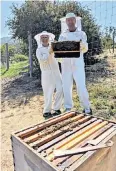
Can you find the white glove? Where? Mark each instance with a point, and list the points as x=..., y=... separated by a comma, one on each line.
x=51, y=50
x=59, y=60
x=44, y=56
x=83, y=47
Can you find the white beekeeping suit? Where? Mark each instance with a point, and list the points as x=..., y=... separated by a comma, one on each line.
x=51, y=77
x=73, y=68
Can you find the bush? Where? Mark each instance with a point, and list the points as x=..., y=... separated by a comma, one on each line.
x=19, y=58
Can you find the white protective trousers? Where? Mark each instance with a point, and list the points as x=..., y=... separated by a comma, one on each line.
x=51, y=79
x=73, y=68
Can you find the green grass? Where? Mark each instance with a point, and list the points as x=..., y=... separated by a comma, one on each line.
x=103, y=99
x=14, y=69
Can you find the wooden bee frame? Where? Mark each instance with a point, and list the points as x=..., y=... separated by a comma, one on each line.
x=33, y=147
x=66, y=49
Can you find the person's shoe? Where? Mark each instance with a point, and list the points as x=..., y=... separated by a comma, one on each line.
x=56, y=112
x=67, y=110
x=47, y=114
x=88, y=111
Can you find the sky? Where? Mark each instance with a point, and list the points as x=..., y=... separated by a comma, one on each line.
x=5, y=14
x=103, y=11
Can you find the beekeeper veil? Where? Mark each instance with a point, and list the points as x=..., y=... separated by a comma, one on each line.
x=64, y=26
x=38, y=37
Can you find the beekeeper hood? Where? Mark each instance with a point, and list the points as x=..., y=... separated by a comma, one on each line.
x=64, y=26
x=44, y=33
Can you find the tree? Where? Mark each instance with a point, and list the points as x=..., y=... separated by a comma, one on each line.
x=108, y=39
x=11, y=51
x=36, y=16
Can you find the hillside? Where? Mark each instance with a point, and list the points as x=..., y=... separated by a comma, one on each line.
x=8, y=40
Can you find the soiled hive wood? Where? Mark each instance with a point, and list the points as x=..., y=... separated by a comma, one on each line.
x=33, y=147
x=66, y=46
x=66, y=49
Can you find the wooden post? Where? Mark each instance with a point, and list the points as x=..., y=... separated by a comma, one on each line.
x=30, y=54
x=7, y=57
x=113, y=40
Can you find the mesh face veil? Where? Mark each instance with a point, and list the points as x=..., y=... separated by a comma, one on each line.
x=64, y=26
x=38, y=37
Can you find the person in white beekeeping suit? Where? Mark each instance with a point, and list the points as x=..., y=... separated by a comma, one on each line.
x=51, y=77
x=73, y=68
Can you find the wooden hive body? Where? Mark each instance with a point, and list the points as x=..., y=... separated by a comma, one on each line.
x=33, y=147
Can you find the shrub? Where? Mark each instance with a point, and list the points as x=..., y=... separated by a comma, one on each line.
x=19, y=58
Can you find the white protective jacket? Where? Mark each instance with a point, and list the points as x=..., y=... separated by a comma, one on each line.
x=51, y=79
x=74, y=36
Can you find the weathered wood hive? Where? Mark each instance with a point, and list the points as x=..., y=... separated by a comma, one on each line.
x=33, y=147
x=66, y=49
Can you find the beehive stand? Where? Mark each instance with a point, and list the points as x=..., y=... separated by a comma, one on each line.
x=33, y=148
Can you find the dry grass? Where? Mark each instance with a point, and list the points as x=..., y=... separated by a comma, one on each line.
x=101, y=84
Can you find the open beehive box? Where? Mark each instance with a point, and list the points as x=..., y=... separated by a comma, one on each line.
x=33, y=148
x=66, y=49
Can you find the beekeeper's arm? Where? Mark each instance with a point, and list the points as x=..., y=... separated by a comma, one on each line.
x=84, y=44
x=61, y=38
x=41, y=56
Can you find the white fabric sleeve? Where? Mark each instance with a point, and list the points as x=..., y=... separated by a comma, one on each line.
x=41, y=56
x=38, y=54
x=84, y=42
x=61, y=38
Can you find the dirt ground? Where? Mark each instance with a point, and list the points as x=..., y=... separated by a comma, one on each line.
x=22, y=105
